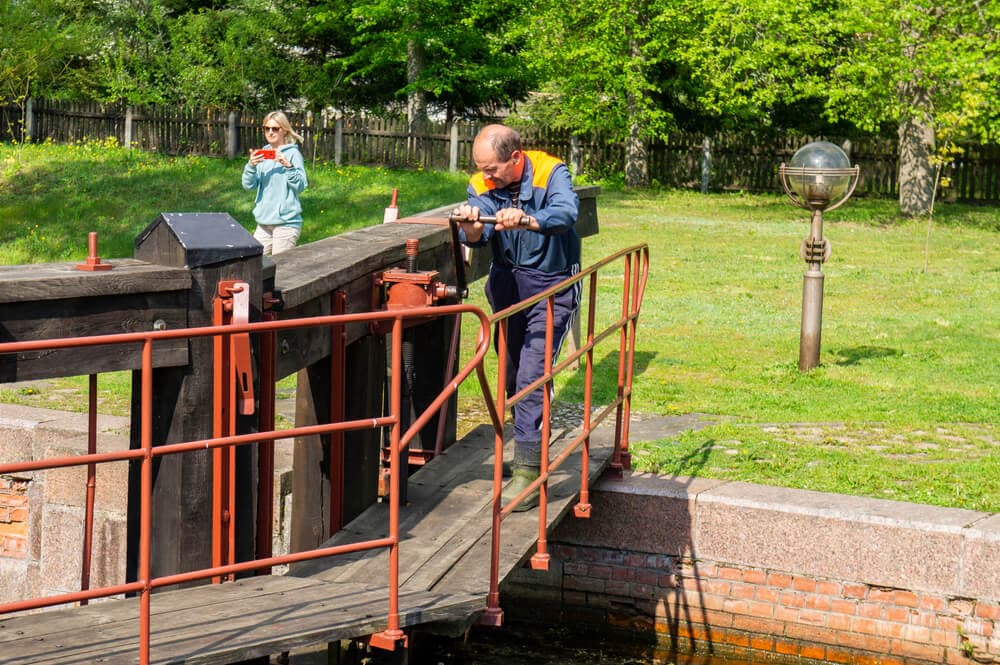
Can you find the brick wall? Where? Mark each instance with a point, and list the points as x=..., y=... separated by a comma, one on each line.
x=631, y=571
x=706, y=607
x=13, y=517
x=42, y=513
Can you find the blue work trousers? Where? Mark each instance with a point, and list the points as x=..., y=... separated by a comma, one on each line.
x=507, y=286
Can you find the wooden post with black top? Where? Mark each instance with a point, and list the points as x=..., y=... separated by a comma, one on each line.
x=213, y=247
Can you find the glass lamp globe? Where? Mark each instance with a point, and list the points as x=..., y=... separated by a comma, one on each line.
x=808, y=179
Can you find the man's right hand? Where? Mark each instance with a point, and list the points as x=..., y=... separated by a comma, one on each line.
x=468, y=217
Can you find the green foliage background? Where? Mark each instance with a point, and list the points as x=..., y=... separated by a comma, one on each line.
x=632, y=67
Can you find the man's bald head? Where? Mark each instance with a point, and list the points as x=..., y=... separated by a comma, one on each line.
x=497, y=153
x=500, y=140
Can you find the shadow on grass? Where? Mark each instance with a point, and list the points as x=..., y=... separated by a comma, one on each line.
x=857, y=354
x=605, y=379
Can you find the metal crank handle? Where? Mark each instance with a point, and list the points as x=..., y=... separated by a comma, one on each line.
x=491, y=219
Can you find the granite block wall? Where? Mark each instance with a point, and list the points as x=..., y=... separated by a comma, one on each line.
x=42, y=513
x=715, y=567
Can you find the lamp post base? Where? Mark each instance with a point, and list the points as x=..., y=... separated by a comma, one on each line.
x=812, y=319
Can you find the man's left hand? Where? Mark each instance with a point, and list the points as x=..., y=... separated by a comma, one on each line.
x=513, y=219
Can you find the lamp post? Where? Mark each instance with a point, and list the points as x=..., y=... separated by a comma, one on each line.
x=820, y=177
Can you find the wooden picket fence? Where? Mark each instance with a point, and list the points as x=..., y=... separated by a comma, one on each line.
x=720, y=162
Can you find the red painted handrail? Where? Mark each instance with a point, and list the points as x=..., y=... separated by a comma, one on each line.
x=636, y=272
x=225, y=442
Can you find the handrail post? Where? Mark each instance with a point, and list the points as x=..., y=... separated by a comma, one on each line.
x=220, y=428
x=540, y=559
x=338, y=396
x=617, y=459
x=392, y=635
x=265, y=449
x=88, y=525
x=582, y=508
x=493, y=616
x=636, y=291
x=145, y=509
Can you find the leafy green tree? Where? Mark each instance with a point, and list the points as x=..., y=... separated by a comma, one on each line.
x=133, y=65
x=323, y=37
x=608, y=67
x=326, y=34
x=424, y=55
x=931, y=68
x=232, y=58
x=914, y=66
x=749, y=58
x=234, y=54
x=45, y=49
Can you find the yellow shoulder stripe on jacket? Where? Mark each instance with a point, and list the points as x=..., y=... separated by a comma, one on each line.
x=542, y=163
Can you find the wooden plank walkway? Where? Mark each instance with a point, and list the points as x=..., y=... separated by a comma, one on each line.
x=444, y=578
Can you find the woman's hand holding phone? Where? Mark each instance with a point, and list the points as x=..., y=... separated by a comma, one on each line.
x=259, y=155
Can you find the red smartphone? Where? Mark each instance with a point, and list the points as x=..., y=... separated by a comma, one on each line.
x=268, y=154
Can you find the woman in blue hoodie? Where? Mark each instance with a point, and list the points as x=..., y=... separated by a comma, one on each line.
x=278, y=173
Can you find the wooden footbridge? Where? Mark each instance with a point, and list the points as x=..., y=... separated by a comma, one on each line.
x=207, y=327
x=444, y=579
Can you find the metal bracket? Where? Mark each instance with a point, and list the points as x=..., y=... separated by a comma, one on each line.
x=388, y=639
x=93, y=262
x=237, y=301
x=815, y=251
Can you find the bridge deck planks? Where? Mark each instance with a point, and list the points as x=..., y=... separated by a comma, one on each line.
x=444, y=578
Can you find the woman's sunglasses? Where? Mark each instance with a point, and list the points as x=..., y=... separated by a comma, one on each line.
x=271, y=129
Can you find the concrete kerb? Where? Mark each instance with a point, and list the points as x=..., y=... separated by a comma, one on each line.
x=699, y=564
x=949, y=551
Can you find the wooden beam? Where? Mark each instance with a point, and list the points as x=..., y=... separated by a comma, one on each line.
x=51, y=301
x=62, y=281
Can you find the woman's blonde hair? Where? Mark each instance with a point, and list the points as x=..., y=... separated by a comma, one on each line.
x=282, y=120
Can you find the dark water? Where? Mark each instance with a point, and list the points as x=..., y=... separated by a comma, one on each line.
x=535, y=644
x=541, y=645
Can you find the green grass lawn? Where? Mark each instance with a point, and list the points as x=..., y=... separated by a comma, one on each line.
x=905, y=402
x=53, y=196
x=903, y=406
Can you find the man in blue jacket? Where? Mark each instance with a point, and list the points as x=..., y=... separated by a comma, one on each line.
x=535, y=246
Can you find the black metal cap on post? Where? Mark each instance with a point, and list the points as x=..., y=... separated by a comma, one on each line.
x=195, y=239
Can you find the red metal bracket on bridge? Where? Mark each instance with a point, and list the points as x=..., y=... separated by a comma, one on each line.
x=236, y=300
x=93, y=262
x=402, y=288
x=388, y=639
x=406, y=288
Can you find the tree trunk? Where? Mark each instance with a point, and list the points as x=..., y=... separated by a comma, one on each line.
x=916, y=137
x=636, y=157
x=416, y=101
x=916, y=146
